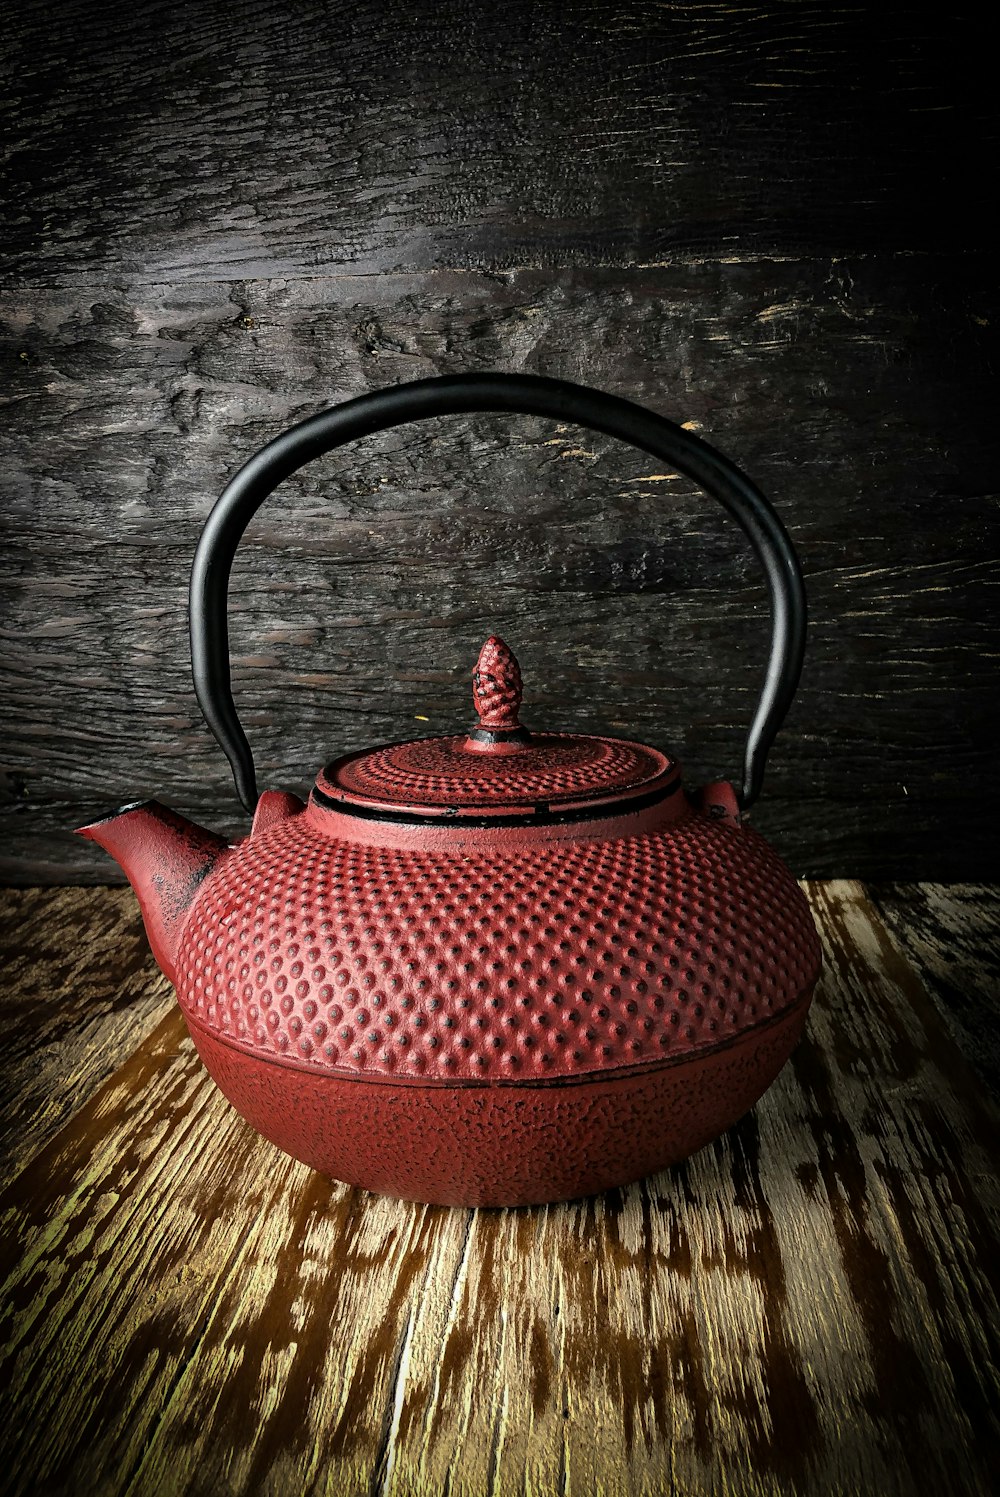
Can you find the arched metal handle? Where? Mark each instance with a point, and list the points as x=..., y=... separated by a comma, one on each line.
x=524, y=394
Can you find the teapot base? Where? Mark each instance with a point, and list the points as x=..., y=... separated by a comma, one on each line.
x=502, y=1145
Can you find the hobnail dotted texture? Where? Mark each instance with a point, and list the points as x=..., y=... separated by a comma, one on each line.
x=553, y=766
x=496, y=685
x=544, y=960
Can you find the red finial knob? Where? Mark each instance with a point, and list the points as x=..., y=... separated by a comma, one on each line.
x=496, y=686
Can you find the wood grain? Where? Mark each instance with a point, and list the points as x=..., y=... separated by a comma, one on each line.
x=80, y=990
x=951, y=934
x=367, y=585
x=289, y=140
x=808, y=1305
x=764, y=220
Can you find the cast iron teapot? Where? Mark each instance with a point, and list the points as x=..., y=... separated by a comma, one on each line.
x=499, y=967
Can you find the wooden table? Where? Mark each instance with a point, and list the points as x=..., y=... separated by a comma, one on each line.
x=809, y=1305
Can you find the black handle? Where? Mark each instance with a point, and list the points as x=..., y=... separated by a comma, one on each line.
x=525, y=394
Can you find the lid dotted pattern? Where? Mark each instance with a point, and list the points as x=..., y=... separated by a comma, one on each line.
x=443, y=772
x=555, y=960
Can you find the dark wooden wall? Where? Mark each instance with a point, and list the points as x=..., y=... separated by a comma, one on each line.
x=771, y=222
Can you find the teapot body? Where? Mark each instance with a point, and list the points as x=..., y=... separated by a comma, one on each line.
x=498, y=967
x=496, y=1016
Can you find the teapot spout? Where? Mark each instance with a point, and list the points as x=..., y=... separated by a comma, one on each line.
x=165, y=858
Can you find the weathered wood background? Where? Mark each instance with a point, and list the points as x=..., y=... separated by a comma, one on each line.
x=769, y=221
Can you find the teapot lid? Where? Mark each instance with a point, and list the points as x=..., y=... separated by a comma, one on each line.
x=498, y=774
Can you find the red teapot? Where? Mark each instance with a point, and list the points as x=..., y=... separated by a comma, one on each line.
x=498, y=967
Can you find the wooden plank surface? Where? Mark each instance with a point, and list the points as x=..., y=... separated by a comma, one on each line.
x=808, y=1305
x=951, y=934
x=80, y=991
